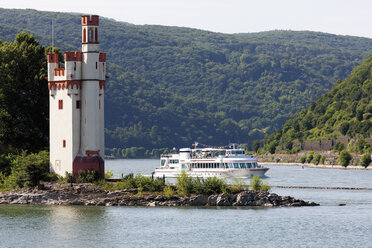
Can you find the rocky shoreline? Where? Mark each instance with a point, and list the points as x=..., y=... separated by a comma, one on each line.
x=89, y=195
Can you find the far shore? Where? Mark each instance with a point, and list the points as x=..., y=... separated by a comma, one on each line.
x=322, y=166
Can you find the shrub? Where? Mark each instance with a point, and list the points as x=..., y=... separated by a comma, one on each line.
x=29, y=170
x=265, y=187
x=309, y=158
x=303, y=159
x=295, y=150
x=340, y=146
x=277, y=160
x=89, y=176
x=213, y=185
x=322, y=159
x=184, y=184
x=237, y=185
x=168, y=191
x=345, y=158
x=317, y=159
x=365, y=160
x=143, y=183
x=109, y=174
x=257, y=184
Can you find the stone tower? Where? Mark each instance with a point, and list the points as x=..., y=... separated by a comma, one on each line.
x=76, y=105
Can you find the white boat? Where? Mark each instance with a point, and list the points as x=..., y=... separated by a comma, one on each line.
x=210, y=162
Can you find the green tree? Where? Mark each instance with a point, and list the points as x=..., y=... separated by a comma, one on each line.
x=365, y=160
x=345, y=158
x=23, y=95
x=256, y=145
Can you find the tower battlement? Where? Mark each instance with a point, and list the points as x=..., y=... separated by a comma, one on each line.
x=73, y=56
x=90, y=20
x=59, y=71
x=52, y=58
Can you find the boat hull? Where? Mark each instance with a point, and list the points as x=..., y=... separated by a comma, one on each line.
x=222, y=173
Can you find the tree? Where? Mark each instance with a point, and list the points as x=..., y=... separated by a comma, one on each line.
x=345, y=158
x=256, y=145
x=365, y=160
x=23, y=95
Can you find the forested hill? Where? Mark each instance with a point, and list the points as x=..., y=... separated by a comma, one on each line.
x=170, y=86
x=345, y=110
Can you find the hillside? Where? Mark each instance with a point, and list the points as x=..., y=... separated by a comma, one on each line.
x=346, y=110
x=170, y=86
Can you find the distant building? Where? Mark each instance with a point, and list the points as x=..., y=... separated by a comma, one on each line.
x=76, y=105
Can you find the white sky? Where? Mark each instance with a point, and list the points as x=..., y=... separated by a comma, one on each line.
x=347, y=17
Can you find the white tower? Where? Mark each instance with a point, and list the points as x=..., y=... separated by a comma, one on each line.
x=76, y=105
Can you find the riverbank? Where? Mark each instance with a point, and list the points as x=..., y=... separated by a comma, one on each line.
x=89, y=195
x=330, y=160
x=322, y=166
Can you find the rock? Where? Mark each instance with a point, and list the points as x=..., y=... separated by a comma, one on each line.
x=244, y=198
x=223, y=200
x=212, y=200
x=199, y=200
x=151, y=204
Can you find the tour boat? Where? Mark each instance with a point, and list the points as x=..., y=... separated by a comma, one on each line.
x=210, y=162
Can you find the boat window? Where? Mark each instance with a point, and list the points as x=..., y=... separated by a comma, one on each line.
x=242, y=165
x=236, y=165
x=183, y=166
x=230, y=165
x=254, y=165
x=249, y=165
x=162, y=162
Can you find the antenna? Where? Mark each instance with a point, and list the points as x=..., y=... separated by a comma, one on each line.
x=52, y=36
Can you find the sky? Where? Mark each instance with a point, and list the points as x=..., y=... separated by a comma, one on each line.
x=346, y=17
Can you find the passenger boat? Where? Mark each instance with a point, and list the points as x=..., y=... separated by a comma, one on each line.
x=210, y=162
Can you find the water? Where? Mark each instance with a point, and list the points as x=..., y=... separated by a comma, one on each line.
x=329, y=225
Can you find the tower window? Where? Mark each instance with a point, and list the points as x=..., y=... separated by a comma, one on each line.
x=78, y=104
x=96, y=65
x=74, y=66
x=99, y=104
x=96, y=35
x=64, y=143
x=103, y=66
x=84, y=35
x=60, y=104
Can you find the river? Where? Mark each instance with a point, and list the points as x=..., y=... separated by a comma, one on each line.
x=328, y=225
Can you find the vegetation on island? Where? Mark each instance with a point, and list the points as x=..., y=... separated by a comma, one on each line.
x=185, y=185
x=170, y=86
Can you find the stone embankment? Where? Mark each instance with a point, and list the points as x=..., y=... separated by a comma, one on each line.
x=89, y=195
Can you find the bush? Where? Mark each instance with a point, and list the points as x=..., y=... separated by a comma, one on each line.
x=340, y=146
x=365, y=160
x=295, y=150
x=89, y=176
x=322, y=159
x=303, y=159
x=317, y=159
x=257, y=184
x=345, y=158
x=237, y=185
x=184, y=184
x=143, y=183
x=109, y=174
x=309, y=158
x=29, y=170
x=168, y=191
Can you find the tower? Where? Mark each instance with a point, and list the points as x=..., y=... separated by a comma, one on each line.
x=76, y=105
